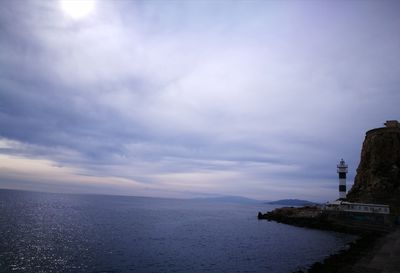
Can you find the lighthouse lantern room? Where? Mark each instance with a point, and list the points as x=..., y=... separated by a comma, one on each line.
x=342, y=170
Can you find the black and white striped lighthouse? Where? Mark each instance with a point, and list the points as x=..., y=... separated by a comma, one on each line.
x=342, y=170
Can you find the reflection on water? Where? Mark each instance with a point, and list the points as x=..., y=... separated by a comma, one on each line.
x=41, y=232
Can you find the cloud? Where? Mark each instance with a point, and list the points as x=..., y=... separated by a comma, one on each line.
x=259, y=99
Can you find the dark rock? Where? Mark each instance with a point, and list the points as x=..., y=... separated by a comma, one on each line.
x=343, y=261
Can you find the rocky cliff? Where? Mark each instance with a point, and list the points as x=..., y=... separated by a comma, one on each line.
x=378, y=175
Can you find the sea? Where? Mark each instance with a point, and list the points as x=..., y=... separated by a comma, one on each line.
x=48, y=232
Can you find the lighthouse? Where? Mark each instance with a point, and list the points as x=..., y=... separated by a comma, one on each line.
x=342, y=170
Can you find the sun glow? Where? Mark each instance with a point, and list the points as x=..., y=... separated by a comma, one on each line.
x=77, y=9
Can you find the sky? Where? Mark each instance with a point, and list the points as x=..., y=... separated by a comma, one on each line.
x=186, y=99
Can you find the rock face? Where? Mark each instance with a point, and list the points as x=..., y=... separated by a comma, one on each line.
x=378, y=175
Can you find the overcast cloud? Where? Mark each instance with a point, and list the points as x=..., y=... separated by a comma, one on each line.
x=192, y=98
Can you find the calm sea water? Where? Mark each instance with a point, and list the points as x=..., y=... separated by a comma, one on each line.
x=42, y=232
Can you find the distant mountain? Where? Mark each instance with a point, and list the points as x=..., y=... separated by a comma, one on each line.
x=291, y=202
x=231, y=199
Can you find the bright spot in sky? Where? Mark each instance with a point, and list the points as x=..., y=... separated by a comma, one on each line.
x=77, y=9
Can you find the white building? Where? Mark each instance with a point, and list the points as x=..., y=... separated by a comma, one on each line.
x=357, y=207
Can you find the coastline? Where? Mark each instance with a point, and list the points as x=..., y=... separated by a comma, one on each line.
x=346, y=259
x=369, y=254
x=372, y=252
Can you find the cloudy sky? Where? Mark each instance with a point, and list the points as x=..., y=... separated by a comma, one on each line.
x=193, y=98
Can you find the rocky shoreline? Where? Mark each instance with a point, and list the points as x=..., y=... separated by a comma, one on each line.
x=347, y=260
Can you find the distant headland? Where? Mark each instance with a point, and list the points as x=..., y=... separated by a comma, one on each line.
x=291, y=202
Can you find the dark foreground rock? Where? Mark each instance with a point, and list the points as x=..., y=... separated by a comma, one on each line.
x=353, y=259
x=345, y=260
x=373, y=253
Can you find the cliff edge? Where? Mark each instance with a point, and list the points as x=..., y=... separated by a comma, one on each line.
x=378, y=174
